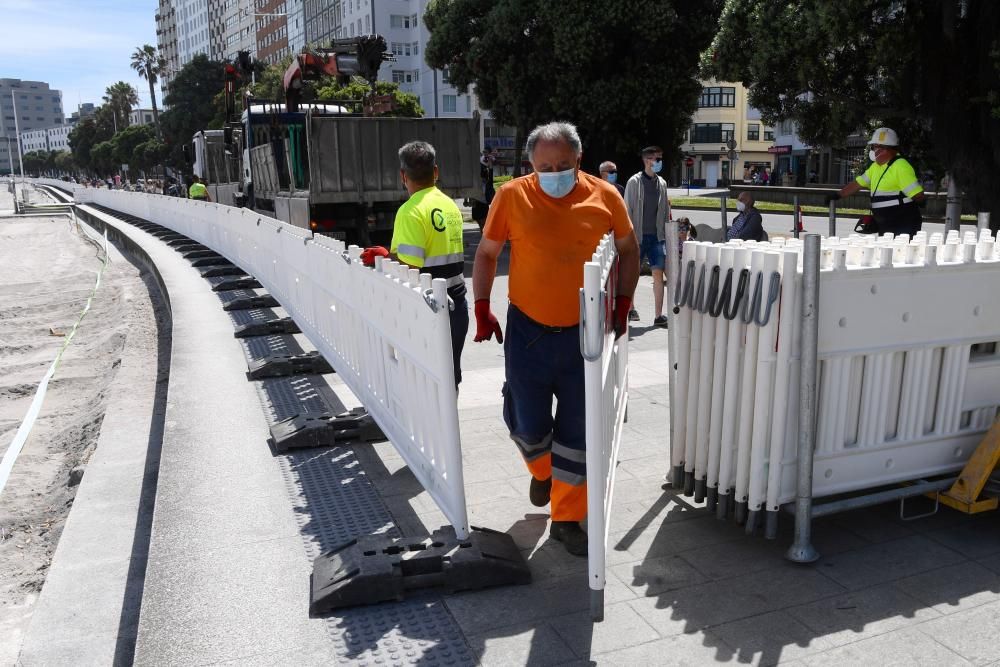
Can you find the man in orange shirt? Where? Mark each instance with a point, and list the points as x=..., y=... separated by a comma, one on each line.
x=554, y=219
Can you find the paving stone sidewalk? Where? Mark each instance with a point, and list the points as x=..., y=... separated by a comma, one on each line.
x=686, y=588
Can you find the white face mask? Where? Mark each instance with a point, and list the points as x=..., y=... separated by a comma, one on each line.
x=740, y=206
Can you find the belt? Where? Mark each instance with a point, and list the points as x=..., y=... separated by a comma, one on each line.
x=544, y=327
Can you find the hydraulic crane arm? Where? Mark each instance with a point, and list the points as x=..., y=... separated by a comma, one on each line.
x=357, y=56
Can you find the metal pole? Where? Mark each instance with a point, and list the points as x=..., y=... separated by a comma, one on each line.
x=673, y=272
x=953, y=207
x=982, y=221
x=722, y=210
x=833, y=218
x=802, y=550
x=795, y=216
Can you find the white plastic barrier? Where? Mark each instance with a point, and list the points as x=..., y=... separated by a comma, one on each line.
x=385, y=331
x=909, y=375
x=606, y=385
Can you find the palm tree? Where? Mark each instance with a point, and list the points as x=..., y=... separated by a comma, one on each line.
x=150, y=66
x=121, y=97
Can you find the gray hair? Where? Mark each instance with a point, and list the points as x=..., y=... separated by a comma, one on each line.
x=417, y=160
x=555, y=131
x=607, y=165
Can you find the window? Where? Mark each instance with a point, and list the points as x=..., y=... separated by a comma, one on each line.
x=753, y=132
x=405, y=76
x=717, y=96
x=397, y=48
x=768, y=135
x=444, y=76
x=468, y=104
x=449, y=103
x=712, y=133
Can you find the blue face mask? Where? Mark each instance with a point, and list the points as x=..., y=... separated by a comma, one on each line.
x=612, y=178
x=657, y=166
x=557, y=184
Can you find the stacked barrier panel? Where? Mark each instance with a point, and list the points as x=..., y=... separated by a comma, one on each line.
x=903, y=392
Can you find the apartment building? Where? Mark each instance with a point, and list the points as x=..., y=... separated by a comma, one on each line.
x=49, y=139
x=321, y=21
x=401, y=22
x=724, y=116
x=272, y=30
x=140, y=117
x=25, y=106
x=166, y=43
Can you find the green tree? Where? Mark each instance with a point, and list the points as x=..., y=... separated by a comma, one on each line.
x=150, y=65
x=127, y=141
x=102, y=158
x=626, y=76
x=63, y=161
x=34, y=162
x=87, y=133
x=190, y=104
x=927, y=68
x=150, y=154
x=121, y=97
x=407, y=105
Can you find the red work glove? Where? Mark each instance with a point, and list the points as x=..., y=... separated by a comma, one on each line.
x=486, y=322
x=368, y=255
x=623, y=304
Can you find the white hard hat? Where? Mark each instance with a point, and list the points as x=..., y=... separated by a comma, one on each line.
x=884, y=136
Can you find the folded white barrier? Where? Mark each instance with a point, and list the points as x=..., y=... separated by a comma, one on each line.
x=606, y=388
x=909, y=364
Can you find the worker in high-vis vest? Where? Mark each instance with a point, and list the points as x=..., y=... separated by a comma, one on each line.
x=427, y=235
x=895, y=190
x=198, y=190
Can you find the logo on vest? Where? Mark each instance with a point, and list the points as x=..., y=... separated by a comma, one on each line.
x=437, y=219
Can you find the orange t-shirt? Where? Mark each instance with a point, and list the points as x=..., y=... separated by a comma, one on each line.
x=550, y=239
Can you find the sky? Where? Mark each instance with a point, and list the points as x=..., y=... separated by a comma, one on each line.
x=79, y=47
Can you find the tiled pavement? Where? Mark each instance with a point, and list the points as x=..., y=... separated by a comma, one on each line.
x=685, y=588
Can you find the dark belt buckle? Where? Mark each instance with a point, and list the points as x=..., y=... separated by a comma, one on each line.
x=549, y=329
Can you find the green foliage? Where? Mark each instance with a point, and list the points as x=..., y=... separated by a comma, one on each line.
x=120, y=98
x=127, y=141
x=625, y=75
x=270, y=84
x=87, y=133
x=102, y=157
x=407, y=104
x=63, y=161
x=918, y=66
x=191, y=105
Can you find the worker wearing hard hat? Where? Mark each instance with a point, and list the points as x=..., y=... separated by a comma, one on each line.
x=895, y=189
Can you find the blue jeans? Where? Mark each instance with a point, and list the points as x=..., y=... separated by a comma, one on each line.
x=542, y=364
x=459, y=320
x=653, y=250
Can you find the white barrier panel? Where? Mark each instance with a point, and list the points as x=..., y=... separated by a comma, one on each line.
x=909, y=376
x=606, y=380
x=386, y=331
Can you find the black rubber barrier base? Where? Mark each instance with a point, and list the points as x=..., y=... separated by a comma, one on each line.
x=251, y=302
x=238, y=283
x=199, y=254
x=221, y=270
x=216, y=260
x=324, y=429
x=378, y=568
x=282, y=365
x=281, y=325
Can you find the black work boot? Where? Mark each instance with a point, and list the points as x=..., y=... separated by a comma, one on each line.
x=571, y=535
x=540, y=491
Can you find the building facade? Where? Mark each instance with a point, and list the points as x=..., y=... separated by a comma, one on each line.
x=296, y=22
x=401, y=23
x=233, y=28
x=724, y=118
x=321, y=20
x=50, y=139
x=140, y=117
x=193, y=30
x=166, y=43
x=272, y=30
x=25, y=106
x=59, y=138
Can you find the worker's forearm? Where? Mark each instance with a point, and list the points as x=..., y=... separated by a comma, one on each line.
x=628, y=271
x=849, y=189
x=484, y=270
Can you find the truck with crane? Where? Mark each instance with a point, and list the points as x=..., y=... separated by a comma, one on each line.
x=331, y=167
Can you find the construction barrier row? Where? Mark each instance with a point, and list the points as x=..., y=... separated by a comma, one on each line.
x=909, y=364
x=606, y=390
x=385, y=331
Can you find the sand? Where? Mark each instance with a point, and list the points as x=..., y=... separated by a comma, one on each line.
x=47, y=271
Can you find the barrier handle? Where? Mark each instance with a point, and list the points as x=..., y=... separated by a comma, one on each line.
x=749, y=314
x=741, y=288
x=583, y=327
x=713, y=291
x=698, y=301
x=683, y=293
x=723, y=301
x=774, y=290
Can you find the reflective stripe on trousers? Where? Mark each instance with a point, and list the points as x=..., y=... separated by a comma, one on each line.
x=541, y=366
